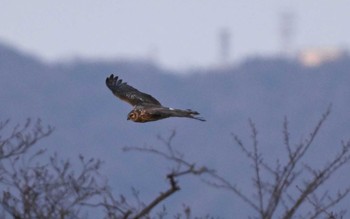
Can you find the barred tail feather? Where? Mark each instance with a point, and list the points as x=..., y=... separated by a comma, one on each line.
x=186, y=113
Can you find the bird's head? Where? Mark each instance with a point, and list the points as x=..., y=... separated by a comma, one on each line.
x=133, y=115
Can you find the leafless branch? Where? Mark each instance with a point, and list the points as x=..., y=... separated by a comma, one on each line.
x=274, y=193
x=22, y=137
x=51, y=190
x=164, y=195
x=321, y=205
x=220, y=182
x=182, y=168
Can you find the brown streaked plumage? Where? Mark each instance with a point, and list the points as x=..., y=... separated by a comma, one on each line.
x=146, y=108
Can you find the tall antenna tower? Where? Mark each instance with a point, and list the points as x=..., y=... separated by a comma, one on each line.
x=287, y=31
x=224, y=46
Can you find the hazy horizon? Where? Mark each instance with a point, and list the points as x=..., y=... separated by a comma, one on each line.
x=174, y=34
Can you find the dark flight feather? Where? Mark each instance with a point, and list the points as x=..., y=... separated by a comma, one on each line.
x=128, y=93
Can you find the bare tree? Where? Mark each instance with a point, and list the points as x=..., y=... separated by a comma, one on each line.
x=21, y=137
x=282, y=189
x=121, y=209
x=286, y=187
x=51, y=190
x=32, y=188
x=57, y=190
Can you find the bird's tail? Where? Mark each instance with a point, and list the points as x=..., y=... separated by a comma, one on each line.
x=186, y=113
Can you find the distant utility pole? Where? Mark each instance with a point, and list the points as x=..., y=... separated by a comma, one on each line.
x=224, y=46
x=287, y=31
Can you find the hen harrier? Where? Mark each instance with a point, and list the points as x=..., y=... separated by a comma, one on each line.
x=146, y=108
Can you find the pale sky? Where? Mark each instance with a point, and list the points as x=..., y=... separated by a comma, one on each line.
x=175, y=33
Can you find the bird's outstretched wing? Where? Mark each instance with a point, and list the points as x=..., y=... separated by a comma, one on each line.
x=128, y=93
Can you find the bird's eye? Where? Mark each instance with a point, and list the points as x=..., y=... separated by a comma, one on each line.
x=132, y=116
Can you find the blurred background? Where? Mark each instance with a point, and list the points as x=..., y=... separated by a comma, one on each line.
x=229, y=60
x=174, y=34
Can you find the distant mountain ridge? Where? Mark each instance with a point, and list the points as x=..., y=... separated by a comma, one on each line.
x=88, y=119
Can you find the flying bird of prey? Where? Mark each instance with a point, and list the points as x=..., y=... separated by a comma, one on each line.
x=146, y=108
